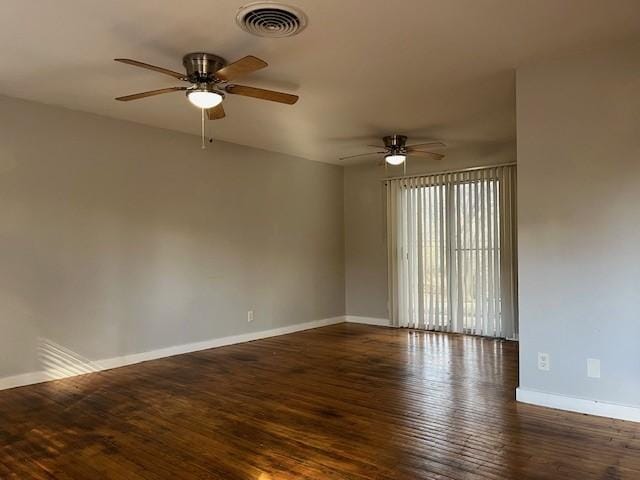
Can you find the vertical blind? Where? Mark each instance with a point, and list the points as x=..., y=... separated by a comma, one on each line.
x=452, y=251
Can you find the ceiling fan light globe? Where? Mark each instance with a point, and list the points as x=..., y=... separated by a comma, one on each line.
x=395, y=159
x=204, y=99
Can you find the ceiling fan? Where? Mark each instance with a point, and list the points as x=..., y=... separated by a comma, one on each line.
x=210, y=77
x=396, y=150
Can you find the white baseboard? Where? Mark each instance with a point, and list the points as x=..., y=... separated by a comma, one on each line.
x=579, y=405
x=109, y=363
x=381, y=322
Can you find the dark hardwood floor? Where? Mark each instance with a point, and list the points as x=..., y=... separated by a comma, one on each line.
x=341, y=402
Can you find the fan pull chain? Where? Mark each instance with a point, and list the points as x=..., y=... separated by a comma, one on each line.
x=209, y=134
x=202, y=130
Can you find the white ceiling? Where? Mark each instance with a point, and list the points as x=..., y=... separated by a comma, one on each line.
x=363, y=68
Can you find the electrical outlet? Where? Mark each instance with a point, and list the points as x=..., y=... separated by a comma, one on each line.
x=593, y=368
x=250, y=316
x=544, y=361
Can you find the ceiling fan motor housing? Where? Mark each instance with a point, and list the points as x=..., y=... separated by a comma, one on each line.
x=396, y=144
x=201, y=66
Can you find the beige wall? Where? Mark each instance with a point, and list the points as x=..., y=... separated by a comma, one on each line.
x=116, y=238
x=365, y=222
x=579, y=224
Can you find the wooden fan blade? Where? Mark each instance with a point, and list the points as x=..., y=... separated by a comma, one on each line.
x=240, y=67
x=420, y=153
x=376, y=146
x=362, y=155
x=166, y=71
x=216, y=112
x=151, y=93
x=433, y=144
x=262, y=94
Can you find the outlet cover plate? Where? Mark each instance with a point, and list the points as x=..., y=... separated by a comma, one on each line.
x=544, y=362
x=593, y=367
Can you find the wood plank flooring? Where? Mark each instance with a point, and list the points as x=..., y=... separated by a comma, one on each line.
x=347, y=402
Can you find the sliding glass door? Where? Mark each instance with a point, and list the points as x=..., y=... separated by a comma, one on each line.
x=452, y=252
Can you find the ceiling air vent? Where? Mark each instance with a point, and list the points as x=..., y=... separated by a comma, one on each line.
x=271, y=19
